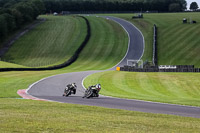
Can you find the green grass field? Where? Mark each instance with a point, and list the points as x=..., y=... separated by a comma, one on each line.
x=17, y=115
x=53, y=41
x=175, y=88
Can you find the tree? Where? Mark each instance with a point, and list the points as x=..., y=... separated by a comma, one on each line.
x=3, y=27
x=18, y=17
x=10, y=20
x=174, y=7
x=40, y=5
x=194, y=6
x=26, y=10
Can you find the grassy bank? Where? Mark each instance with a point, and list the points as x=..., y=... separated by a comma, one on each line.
x=107, y=46
x=53, y=41
x=37, y=116
x=176, y=88
x=55, y=44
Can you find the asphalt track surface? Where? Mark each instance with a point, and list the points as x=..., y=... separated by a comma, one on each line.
x=52, y=88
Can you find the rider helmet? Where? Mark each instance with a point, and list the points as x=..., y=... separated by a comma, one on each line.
x=73, y=84
x=98, y=87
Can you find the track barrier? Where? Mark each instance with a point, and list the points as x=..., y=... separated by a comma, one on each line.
x=118, y=68
x=179, y=68
x=154, y=59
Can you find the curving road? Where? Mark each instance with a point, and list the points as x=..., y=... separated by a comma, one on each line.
x=52, y=88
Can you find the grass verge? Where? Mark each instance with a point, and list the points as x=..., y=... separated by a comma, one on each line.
x=36, y=116
x=176, y=88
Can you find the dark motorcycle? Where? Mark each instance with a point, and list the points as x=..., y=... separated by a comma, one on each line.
x=92, y=91
x=70, y=89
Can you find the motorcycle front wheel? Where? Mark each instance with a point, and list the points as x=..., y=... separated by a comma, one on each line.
x=68, y=92
x=89, y=94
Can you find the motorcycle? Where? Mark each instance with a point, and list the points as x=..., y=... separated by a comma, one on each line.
x=70, y=89
x=92, y=91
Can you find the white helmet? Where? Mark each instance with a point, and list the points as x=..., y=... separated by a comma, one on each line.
x=98, y=86
x=73, y=84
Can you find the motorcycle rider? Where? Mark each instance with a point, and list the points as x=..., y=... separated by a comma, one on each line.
x=71, y=87
x=95, y=89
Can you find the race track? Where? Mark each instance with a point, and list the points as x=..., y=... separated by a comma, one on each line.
x=52, y=88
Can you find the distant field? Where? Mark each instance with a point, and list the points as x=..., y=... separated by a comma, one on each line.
x=107, y=45
x=175, y=40
x=53, y=41
x=178, y=43
x=176, y=88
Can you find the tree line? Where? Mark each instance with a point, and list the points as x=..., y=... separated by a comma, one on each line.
x=15, y=13
x=114, y=5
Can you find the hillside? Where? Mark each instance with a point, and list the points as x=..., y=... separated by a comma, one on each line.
x=50, y=43
x=178, y=43
x=53, y=41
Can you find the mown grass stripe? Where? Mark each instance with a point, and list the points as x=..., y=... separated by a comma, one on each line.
x=175, y=47
x=184, y=52
x=66, y=63
x=176, y=88
x=107, y=46
x=57, y=42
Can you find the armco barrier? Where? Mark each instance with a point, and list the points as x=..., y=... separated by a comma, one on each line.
x=156, y=69
x=154, y=59
x=65, y=64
